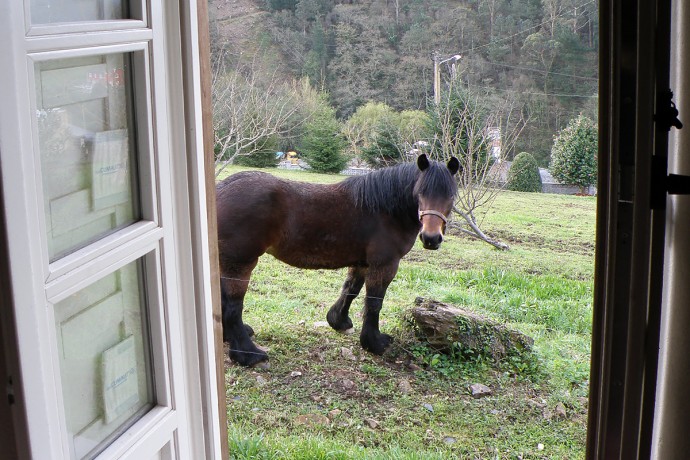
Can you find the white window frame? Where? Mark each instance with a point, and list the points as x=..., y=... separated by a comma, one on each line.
x=184, y=422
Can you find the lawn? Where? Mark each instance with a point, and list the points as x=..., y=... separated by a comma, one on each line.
x=324, y=397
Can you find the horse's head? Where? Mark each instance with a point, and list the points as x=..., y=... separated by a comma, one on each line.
x=435, y=190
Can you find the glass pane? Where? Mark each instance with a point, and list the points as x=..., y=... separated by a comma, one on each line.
x=105, y=363
x=86, y=141
x=51, y=11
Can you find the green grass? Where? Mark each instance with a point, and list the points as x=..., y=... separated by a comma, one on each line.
x=542, y=287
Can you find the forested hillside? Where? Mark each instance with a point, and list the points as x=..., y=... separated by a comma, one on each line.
x=540, y=55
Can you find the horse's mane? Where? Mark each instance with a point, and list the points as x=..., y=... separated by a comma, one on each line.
x=392, y=190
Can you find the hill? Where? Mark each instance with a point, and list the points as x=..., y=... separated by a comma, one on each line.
x=541, y=55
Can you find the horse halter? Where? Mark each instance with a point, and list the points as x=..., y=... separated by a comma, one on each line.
x=431, y=212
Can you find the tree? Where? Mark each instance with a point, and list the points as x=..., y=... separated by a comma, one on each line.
x=387, y=148
x=315, y=62
x=322, y=144
x=524, y=174
x=465, y=127
x=414, y=127
x=361, y=129
x=264, y=155
x=574, y=153
x=542, y=50
x=248, y=113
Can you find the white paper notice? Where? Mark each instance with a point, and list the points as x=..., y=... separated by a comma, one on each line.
x=110, y=169
x=120, y=382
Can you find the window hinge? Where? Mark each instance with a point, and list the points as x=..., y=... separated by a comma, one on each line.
x=666, y=184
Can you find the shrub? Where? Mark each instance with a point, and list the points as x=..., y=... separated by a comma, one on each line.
x=574, y=153
x=524, y=174
x=263, y=154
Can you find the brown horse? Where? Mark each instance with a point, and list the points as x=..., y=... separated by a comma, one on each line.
x=367, y=223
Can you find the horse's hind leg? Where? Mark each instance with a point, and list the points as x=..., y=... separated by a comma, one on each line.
x=242, y=349
x=377, y=281
x=338, y=316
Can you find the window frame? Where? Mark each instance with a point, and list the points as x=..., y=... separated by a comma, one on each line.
x=186, y=423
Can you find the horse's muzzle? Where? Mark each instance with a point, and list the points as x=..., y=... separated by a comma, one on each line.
x=431, y=241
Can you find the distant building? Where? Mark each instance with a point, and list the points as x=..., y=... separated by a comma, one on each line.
x=550, y=185
x=494, y=133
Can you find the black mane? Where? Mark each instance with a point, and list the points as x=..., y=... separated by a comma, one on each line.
x=394, y=190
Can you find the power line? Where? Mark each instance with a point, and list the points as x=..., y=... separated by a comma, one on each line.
x=546, y=72
x=536, y=94
x=575, y=8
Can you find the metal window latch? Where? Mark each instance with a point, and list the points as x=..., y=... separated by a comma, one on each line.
x=662, y=182
x=668, y=115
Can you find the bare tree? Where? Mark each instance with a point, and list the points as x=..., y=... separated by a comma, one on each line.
x=247, y=111
x=480, y=142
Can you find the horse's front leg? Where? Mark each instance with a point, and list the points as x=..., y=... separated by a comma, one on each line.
x=242, y=349
x=338, y=316
x=377, y=281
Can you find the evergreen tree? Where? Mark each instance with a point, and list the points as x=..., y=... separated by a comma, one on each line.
x=315, y=62
x=322, y=145
x=574, y=153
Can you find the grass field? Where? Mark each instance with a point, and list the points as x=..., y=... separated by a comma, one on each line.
x=325, y=398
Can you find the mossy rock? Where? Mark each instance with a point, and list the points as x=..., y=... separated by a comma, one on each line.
x=449, y=329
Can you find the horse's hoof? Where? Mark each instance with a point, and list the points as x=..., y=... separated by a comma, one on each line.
x=377, y=345
x=339, y=323
x=248, y=358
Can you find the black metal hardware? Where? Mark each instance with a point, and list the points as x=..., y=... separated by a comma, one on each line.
x=677, y=184
x=10, y=391
x=662, y=182
x=666, y=184
x=668, y=116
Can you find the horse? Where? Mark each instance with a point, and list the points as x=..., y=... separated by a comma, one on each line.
x=366, y=223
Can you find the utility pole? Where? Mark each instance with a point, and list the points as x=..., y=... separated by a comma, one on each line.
x=437, y=78
x=437, y=73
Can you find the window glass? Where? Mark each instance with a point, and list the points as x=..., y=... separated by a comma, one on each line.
x=86, y=139
x=51, y=11
x=104, y=356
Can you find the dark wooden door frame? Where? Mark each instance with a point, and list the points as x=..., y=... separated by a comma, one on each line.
x=634, y=78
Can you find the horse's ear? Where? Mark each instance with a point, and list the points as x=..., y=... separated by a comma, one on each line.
x=453, y=165
x=422, y=162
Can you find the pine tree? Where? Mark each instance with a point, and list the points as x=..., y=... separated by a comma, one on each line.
x=322, y=145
